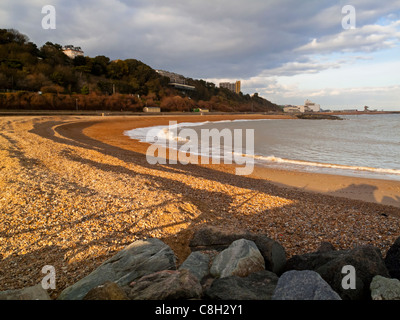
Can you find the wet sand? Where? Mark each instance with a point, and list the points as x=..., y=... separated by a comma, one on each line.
x=385, y=192
x=75, y=190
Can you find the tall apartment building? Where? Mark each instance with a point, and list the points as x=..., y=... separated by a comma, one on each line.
x=234, y=87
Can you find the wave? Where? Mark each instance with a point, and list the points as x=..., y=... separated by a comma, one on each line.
x=326, y=165
x=167, y=132
x=169, y=135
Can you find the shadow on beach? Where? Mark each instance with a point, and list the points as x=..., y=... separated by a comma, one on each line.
x=366, y=192
x=72, y=135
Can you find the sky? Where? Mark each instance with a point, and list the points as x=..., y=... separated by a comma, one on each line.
x=285, y=50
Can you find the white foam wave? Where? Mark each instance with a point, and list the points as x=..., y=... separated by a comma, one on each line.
x=167, y=135
x=167, y=132
x=326, y=165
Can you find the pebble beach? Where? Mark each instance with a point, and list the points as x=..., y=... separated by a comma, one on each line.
x=74, y=190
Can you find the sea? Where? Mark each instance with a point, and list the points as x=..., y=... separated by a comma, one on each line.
x=365, y=145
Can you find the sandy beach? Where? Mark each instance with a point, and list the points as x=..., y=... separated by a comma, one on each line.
x=75, y=190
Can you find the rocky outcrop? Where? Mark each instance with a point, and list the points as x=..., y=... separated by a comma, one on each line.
x=241, y=259
x=257, y=286
x=146, y=270
x=198, y=264
x=316, y=116
x=392, y=259
x=29, y=293
x=366, y=260
x=138, y=259
x=165, y=285
x=385, y=289
x=108, y=291
x=303, y=285
x=213, y=238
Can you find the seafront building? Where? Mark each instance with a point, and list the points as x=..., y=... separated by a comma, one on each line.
x=72, y=51
x=312, y=106
x=176, y=80
x=151, y=109
x=308, y=106
x=234, y=87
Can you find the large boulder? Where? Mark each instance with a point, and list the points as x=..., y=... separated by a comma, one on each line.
x=366, y=260
x=108, y=291
x=257, y=286
x=241, y=258
x=214, y=238
x=165, y=285
x=198, y=264
x=392, y=259
x=312, y=260
x=303, y=285
x=385, y=289
x=140, y=258
x=30, y=293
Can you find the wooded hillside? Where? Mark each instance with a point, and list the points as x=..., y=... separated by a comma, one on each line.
x=97, y=83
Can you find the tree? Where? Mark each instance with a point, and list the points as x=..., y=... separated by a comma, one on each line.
x=12, y=35
x=64, y=76
x=36, y=81
x=85, y=90
x=52, y=54
x=99, y=65
x=80, y=61
x=117, y=69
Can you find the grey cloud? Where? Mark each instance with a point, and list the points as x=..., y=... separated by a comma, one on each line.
x=201, y=39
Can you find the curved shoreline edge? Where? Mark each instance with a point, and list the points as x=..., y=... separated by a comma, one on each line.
x=380, y=191
x=76, y=191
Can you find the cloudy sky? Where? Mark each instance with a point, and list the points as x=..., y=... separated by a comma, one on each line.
x=286, y=50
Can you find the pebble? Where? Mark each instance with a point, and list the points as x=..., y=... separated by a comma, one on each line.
x=68, y=204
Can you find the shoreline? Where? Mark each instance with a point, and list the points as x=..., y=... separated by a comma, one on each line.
x=380, y=191
x=76, y=190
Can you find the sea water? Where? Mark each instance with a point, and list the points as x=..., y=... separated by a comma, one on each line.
x=359, y=145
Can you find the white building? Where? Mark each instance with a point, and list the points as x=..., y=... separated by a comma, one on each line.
x=291, y=109
x=304, y=109
x=72, y=51
x=312, y=106
x=307, y=107
x=151, y=109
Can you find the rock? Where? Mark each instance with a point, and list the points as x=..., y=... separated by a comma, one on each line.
x=29, y=293
x=241, y=258
x=108, y=291
x=211, y=237
x=198, y=264
x=165, y=285
x=385, y=289
x=392, y=259
x=257, y=286
x=273, y=252
x=312, y=260
x=366, y=260
x=303, y=285
x=314, y=116
x=326, y=247
x=140, y=258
